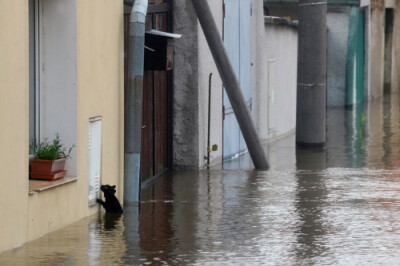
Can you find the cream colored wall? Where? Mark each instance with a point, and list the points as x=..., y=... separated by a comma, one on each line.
x=99, y=93
x=14, y=122
x=100, y=85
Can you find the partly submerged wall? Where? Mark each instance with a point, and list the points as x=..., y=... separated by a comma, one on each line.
x=97, y=64
x=14, y=117
x=279, y=87
x=193, y=65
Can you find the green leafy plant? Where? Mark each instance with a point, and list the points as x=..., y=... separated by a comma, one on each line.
x=45, y=150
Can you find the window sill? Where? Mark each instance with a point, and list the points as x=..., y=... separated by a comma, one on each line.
x=36, y=186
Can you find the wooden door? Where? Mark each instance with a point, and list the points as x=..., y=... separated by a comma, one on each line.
x=156, y=122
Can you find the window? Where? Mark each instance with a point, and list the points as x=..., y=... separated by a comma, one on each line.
x=52, y=73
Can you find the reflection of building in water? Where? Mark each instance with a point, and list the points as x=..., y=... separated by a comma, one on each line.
x=311, y=193
x=387, y=131
x=375, y=128
x=210, y=209
x=391, y=135
x=355, y=134
x=185, y=214
x=214, y=212
x=156, y=214
x=336, y=138
x=346, y=137
x=364, y=135
x=395, y=117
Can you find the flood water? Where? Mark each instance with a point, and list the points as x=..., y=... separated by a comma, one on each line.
x=334, y=206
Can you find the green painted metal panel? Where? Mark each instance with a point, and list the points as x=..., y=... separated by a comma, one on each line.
x=351, y=57
x=355, y=59
x=360, y=60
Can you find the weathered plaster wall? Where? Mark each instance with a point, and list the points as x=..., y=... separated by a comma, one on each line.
x=14, y=117
x=280, y=67
x=207, y=66
x=377, y=47
x=259, y=81
x=193, y=64
x=186, y=95
x=337, y=36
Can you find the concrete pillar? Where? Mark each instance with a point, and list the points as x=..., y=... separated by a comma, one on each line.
x=311, y=80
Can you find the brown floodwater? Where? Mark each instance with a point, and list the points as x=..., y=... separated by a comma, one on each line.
x=338, y=205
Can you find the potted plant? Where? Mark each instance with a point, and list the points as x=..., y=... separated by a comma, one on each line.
x=49, y=159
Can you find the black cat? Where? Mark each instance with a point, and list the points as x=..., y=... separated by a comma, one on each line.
x=111, y=204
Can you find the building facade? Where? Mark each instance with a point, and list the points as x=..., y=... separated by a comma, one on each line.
x=62, y=72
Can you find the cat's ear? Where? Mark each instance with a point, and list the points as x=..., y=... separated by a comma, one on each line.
x=113, y=187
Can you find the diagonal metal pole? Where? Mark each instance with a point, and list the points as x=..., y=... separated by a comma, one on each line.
x=231, y=84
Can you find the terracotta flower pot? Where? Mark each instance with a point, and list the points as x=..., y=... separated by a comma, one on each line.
x=47, y=169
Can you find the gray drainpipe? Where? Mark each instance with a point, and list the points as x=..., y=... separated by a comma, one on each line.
x=134, y=102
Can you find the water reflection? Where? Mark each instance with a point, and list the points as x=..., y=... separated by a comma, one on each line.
x=337, y=205
x=383, y=127
x=311, y=194
x=346, y=137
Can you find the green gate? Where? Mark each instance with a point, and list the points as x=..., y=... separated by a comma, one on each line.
x=355, y=59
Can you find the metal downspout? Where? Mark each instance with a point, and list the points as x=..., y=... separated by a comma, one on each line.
x=134, y=102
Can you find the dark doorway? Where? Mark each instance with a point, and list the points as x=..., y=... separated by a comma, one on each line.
x=389, y=21
x=157, y=92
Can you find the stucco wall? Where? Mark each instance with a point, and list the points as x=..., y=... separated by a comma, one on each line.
x=396, y=49
x=99, y=72
x=100, y=85
x=14, y=96
x=259, y=85
x=186, y=96
x=99, y=93
x=337, y=36
x=377, y=47
x=193, y=64
x=280, y=68
x=207, y=66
